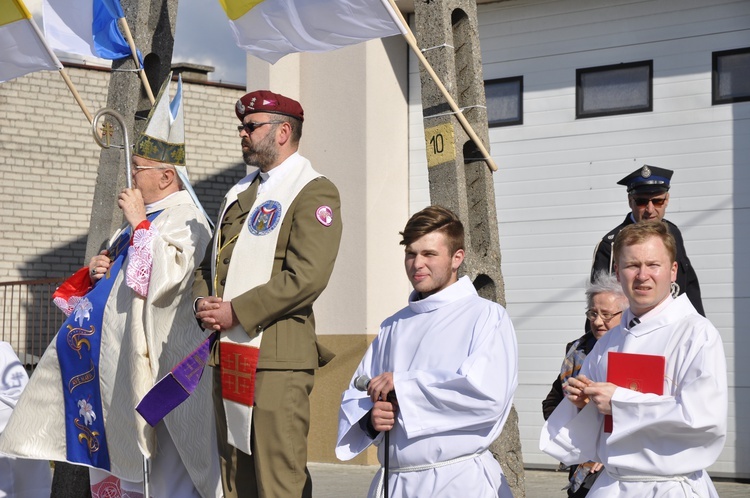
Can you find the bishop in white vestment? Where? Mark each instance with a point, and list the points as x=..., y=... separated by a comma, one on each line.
x=140, y=329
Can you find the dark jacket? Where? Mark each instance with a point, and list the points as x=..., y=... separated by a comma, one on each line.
x=585, y=343
x=687, y=280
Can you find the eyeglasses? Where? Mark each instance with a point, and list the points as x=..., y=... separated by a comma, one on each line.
x=141, y=168
x=250, y=127
x=593, y=315
x=643, y=201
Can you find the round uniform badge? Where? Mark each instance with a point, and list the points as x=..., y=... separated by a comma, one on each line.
x=324, y=215
x=264, y=218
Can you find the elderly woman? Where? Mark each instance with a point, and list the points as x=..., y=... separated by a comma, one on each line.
x=605, y=303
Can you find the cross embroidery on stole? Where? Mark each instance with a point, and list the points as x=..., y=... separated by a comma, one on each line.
x=238, y=364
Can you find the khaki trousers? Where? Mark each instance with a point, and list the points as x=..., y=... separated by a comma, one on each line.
x=281, y=422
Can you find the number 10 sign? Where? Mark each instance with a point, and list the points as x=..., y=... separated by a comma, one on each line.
x=440, y=145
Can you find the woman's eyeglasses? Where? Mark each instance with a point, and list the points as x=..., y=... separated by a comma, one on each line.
x=593, y=315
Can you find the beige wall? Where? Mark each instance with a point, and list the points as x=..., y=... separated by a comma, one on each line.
x=355, y=132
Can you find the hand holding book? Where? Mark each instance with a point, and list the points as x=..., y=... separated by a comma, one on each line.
x=600, y=393
x=638, y=372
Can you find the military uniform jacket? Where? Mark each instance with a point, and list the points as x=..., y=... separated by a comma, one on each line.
x=687, y=280
x=303, y=261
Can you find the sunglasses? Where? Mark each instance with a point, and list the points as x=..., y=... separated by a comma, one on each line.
x=643, y=201
x=250, y=127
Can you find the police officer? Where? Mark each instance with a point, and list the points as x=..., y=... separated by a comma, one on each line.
x=648, y=197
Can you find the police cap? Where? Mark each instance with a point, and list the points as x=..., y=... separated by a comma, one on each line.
x=647, y=180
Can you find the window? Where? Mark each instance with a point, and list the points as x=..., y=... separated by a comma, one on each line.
x=615, y=89
x=731, y=76
x=504, y=101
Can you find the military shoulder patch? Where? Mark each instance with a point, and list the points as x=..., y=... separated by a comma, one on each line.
x=324, y=214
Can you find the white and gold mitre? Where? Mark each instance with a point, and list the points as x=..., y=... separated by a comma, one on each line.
x=163, y=140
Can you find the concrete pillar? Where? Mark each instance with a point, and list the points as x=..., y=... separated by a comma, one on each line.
x=459, y=178
x=152, y=24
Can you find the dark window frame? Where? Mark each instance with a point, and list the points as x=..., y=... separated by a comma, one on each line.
x=647, y=107
x=519, y=119
x=715, y=56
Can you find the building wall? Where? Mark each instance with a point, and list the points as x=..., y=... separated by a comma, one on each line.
x=556, y=189
x=49, y=161
x=48, y=164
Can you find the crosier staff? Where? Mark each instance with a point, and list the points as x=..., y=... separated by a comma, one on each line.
x=103, y=138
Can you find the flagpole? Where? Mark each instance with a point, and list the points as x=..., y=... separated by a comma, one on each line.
x=76, y=96
x=129, y=37
x=63, y=73
x=412, y=41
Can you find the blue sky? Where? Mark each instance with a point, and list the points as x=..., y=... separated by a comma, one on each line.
x=203, y=36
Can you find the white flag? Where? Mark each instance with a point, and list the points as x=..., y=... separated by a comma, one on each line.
x=271, y=29
x=22, y=47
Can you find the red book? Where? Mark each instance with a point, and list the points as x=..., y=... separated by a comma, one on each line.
x=638, y=372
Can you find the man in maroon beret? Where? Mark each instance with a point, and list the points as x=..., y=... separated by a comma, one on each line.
x=278, y=236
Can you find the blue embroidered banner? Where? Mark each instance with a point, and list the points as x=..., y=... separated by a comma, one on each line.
x=78, y=348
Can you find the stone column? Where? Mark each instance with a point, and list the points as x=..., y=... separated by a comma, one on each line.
x=152, y=24
x=459, y=178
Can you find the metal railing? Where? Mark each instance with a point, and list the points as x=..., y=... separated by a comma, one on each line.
x=28, y=318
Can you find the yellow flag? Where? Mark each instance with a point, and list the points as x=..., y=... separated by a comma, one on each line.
x=22, y=47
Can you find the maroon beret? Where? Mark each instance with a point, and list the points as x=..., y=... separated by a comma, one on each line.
x=267, y=101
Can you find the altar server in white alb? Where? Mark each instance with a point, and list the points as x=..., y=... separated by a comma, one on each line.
x=19, y=477
x=659, y=445
x=450, y=359
x=130, y=322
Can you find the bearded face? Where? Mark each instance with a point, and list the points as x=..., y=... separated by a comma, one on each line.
x=260, y=149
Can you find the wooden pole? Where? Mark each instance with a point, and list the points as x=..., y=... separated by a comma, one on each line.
x=63, y=73
x=141, y=72
x=76, y=96
x=412, y=41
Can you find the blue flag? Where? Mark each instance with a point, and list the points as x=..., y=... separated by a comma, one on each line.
x=86, y=27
